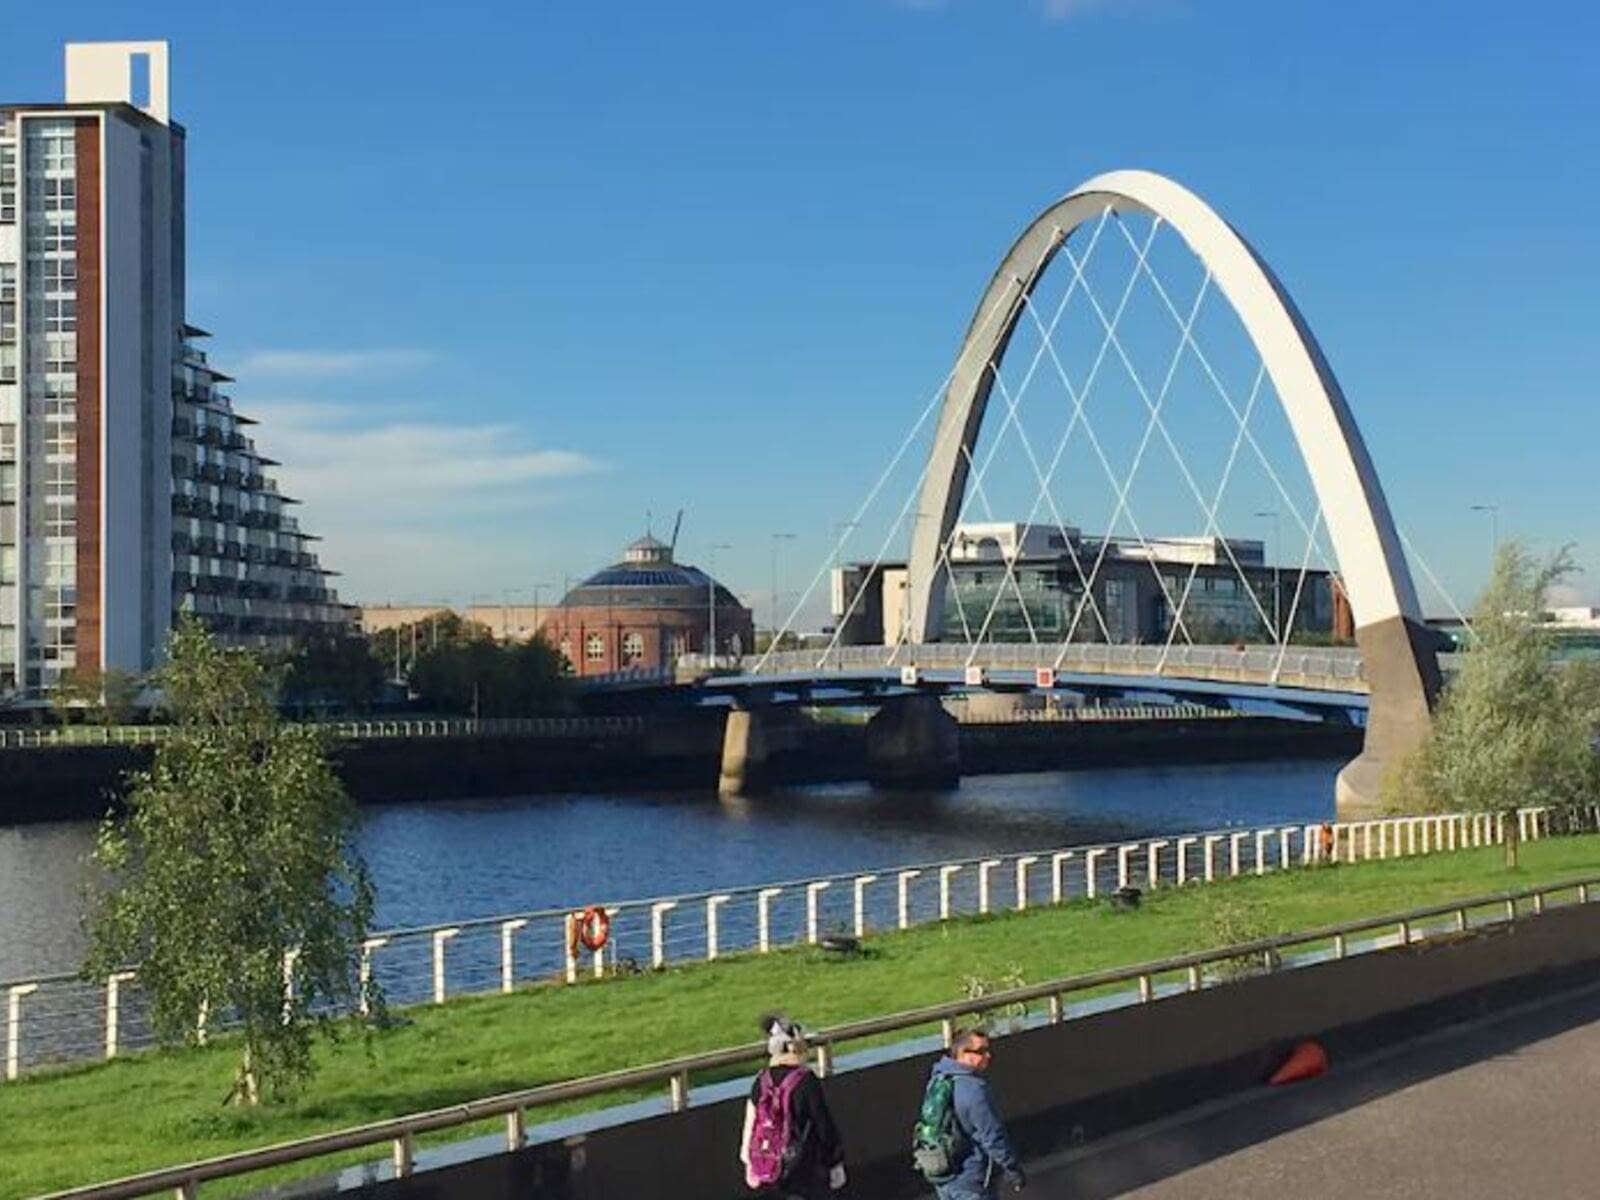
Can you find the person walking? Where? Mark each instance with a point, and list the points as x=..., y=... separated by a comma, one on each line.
x=961, y=1144
x=791, y=1147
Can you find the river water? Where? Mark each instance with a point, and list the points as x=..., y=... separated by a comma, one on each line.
x=456, y=860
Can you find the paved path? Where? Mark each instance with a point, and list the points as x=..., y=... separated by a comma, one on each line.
x=1499, y=1108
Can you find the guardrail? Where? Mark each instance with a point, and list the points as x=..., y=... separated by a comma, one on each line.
x=676, y=1075
x=1332, y=668
x=63, y=1018
x=1089, y=714
x=150, y=735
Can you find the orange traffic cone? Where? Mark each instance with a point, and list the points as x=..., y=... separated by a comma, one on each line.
x=1305, y=1061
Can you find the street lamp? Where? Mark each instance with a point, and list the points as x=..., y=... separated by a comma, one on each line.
x=1494, y=529
x=776, y=538
x=1277, y=591
x=538, y=624
x=711, y=597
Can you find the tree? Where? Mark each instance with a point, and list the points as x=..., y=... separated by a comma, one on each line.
x=332, y=672
x=1514, y=728
x=234, y=872
x=109, y=697
x=397, y=649
x=486, y=678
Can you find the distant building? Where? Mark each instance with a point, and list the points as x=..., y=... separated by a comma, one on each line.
x=130, y=488
x=645, y=611
x=1015, y=582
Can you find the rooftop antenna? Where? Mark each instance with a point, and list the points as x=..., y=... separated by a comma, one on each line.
x=649, y=520
x=676, y=525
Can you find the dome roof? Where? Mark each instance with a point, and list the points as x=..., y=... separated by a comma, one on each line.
x=648, y=578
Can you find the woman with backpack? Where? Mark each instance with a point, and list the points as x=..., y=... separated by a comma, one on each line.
x=791, y=1147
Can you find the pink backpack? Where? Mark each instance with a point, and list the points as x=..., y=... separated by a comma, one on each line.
x=774, y=1147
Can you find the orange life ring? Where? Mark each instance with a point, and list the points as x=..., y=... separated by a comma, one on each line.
x=591, y=929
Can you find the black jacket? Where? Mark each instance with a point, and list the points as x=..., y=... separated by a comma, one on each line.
x=821, y=1147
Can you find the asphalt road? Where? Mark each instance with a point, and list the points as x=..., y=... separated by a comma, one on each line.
x=1498, y=1108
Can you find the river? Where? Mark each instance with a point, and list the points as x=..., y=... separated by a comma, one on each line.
x=461, y=859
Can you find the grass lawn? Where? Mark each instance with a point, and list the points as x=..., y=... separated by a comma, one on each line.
x=144, y=1111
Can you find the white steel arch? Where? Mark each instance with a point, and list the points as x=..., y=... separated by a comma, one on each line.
x=1401, y=665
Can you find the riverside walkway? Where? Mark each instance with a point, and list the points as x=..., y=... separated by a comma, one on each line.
x=1477, y=1111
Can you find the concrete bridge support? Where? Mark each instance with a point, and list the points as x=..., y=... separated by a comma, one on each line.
x=912, y=742
x=744, y=755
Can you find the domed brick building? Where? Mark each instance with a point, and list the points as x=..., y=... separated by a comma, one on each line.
x=645, y=611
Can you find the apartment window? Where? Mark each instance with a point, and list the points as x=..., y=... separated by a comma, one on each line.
x=52, y=195
x=8, y=565
x=8, y=443
x=594, y=648
x=8, y=483
x=8, y=185
x=60, y=316
x=8, y=363
x=632, y=647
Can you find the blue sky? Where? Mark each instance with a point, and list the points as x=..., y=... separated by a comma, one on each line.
x=501, y=278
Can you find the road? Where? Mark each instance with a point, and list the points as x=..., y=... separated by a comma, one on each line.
x=1501, y=1107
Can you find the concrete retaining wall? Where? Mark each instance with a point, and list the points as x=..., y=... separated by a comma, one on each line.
x=1080, y=1080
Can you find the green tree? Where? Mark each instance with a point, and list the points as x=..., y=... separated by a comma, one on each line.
x=1514, y=728
x=486, y=678
x=398, y=649
x=233, y=872
x=332, y=672
x=109, y=697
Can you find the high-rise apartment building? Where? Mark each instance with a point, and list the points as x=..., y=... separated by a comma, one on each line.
x=130, y=489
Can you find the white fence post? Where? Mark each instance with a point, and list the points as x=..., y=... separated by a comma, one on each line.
x=658, y=931
x=14, y=995
x=713, y=903
x=1285, y=851
x=600, y=951
x=764, y=917
x=114, y=982
x=1023, y=863
x=440, y=937
x=1091, y=872
x=1235, y=858
x=945, y=872
x=903, y=885
x=861, y=882
x=364, y=1001
x=1058, y=873
x=985, y=869
x=812, y=891
x=1153, y=863
x=1213, y=840
x=1125, y=864
x=508, y=930
x=1261, y=850
x=1183, y=858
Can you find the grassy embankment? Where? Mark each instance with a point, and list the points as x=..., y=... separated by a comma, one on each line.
x=91, y=1123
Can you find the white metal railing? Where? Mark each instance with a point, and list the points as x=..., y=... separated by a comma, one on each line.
x=60, y=1018
x=1333, y=668
x=150, y=735
x=1142, y=983
x=1088, y=714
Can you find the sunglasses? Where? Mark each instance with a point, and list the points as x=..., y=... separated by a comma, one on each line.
x=980, y=1051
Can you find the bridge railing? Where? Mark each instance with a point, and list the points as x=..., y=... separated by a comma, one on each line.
x=1063, y=998
x=63, y=1018
x=1334, y=668
x=149, y=735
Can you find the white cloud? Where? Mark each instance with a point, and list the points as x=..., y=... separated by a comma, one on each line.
x=412, y=506
x=319, y=364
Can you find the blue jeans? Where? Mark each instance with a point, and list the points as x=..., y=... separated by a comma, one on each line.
x=964, y=1189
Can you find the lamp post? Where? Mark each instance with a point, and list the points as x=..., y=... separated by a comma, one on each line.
x=711, y=598
x=1494, y=529
x=538, y=624
x=1277, y=591
x=776, y=538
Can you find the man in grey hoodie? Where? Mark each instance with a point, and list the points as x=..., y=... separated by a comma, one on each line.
x=988, y=1150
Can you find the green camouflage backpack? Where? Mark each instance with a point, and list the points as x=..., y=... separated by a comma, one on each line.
x=936, y=1139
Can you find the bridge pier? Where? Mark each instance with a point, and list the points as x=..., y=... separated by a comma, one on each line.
x=912, y=742
x=1402, y=673
x=744, y=755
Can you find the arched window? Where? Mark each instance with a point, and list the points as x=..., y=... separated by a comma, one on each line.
x=594, y=648
x=632, y=647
